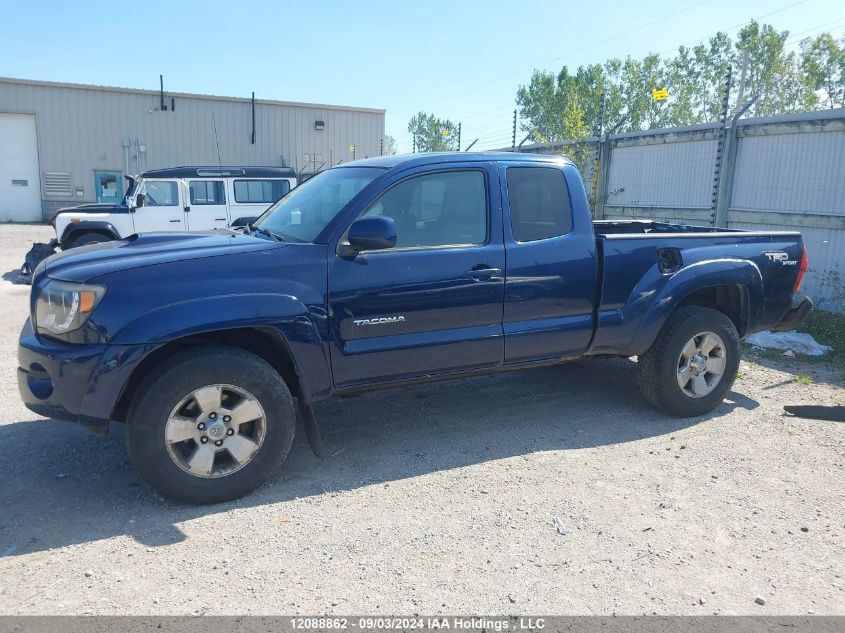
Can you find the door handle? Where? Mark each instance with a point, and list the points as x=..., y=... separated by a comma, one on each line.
x=221, y=219
x=482, y=273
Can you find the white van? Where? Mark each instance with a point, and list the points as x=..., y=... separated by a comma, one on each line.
x=176, y=199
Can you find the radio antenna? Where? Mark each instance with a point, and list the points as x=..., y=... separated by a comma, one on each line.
x=217, y=143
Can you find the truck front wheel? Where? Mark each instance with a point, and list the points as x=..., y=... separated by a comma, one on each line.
x=692, y=363
x=211, y=424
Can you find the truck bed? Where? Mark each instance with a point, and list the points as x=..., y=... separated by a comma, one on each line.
x=628, y=227
x=645, y=264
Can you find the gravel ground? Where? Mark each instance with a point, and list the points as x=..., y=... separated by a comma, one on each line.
x=444, y=498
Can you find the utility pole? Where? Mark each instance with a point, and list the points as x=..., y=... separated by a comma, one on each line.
x=513, y=144
x=459, y=137
x=740, y=97
x=602, y=106
x=717, y=207
x=414, y=150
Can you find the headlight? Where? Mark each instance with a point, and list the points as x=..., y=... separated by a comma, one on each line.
x=63, y=306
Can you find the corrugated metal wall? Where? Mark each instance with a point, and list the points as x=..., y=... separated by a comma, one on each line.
x=80, y=130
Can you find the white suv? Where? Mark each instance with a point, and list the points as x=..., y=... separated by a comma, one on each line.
x=176, y=199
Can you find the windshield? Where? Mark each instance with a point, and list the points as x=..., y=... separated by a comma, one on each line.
x=304, y=212
x=131, y=183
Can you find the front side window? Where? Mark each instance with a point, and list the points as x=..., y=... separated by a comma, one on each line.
x=260, y=191
x=161, y=193
x=539, y=203
x=307, y=210
x=207, y=192
x=440, y=209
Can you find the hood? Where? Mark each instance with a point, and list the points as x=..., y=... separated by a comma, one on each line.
x=86, y=262
x=95, y=207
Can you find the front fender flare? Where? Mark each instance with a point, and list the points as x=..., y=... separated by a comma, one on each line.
x=721, y=272
x=299, y=329
x=87, y=226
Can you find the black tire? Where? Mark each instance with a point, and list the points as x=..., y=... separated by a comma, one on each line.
x=175, y=379
x=90, y=238
x=658, y=369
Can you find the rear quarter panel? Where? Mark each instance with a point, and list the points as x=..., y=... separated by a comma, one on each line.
x=637, y=298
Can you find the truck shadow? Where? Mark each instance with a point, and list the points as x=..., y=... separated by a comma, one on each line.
x=63, y=486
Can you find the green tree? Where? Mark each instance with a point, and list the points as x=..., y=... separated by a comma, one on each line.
x=823, y=62
x=768, y=66
x=433, y=134
x=567, y=106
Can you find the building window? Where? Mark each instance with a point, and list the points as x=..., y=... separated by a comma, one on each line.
x=440, y=209
x=539, y=203
x=260, y=191
x=20, y=182
x=207, y=192
x=161, y=193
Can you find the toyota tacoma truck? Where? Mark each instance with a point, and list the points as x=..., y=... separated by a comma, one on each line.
x=383, y=272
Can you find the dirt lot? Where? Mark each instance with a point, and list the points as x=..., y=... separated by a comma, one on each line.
x=442, y=498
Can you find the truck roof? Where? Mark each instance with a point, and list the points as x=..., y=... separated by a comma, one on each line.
x=192, y=171
x=425, y=158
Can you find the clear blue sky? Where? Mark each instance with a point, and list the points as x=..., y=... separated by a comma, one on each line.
x=458, y=59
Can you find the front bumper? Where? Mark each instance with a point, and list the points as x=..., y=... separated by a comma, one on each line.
x=794, y=316
x=78, y=383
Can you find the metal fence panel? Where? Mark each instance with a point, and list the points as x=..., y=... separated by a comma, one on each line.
x=791, y=172
x=663, y=175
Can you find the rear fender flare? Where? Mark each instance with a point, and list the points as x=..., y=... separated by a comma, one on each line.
x=721, y=272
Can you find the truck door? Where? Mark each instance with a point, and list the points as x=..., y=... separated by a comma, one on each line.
x=433, y=303
x=163, y=208
x=206, y=205
x=551, y=263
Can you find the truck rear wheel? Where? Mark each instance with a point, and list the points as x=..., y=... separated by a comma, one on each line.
x=692, y=363
x=210, y=425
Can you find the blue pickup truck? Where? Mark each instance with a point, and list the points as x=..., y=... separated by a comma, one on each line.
x=383, y=272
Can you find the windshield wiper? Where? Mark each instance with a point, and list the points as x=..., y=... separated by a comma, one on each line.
x=270, y=234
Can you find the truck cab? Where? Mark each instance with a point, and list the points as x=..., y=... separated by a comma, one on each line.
x=176, y=199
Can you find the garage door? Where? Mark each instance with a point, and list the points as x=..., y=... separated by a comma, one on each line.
x=20, y=188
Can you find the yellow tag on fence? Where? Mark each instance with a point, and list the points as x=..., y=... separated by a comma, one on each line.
x=660, y=95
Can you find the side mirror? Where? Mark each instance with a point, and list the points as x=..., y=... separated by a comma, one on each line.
x=139, y=201
x=243, y=221
x=372, y=234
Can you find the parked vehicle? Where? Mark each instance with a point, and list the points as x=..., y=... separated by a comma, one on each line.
x=383, y=272
x=176, y=199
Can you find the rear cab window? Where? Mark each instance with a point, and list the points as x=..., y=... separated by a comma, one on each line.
x=539, y=203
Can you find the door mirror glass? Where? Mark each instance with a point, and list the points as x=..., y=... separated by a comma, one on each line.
x=139, y=201
x=372, y=234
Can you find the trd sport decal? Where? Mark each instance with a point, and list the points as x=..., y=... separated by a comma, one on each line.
x=781, y=257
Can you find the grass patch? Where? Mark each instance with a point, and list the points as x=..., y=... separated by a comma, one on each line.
x=804, y=379
x=827, y=328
